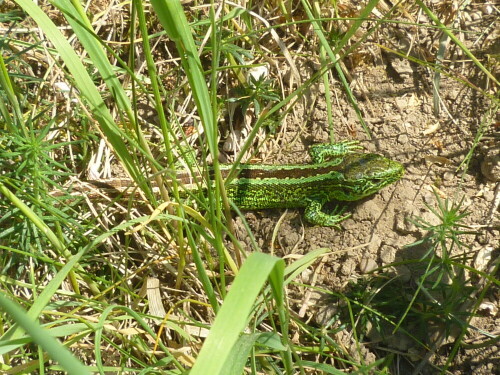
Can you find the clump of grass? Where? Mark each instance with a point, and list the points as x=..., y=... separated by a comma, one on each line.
x=436, y=305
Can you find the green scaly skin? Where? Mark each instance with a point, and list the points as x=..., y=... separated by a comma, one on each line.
x=344, y=176
x=337, y=173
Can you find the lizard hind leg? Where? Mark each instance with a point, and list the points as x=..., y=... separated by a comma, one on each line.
x=323, y=151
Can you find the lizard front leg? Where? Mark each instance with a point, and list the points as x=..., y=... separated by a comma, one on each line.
x=315, y=216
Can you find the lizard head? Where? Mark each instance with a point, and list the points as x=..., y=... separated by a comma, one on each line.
x=365, y=174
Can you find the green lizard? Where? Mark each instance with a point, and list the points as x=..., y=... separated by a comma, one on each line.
x=337, y=173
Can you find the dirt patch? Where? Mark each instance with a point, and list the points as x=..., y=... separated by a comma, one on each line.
x=397, y=101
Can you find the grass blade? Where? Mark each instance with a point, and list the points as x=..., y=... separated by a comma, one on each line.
x=235, y=311
x=57, y=351
x=85, y=84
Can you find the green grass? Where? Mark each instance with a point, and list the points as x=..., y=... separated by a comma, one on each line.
x=75, y=273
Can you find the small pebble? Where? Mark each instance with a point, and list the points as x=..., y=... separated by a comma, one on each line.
x=490, y=166
x=483, y=258
x=448, y=176
x=429, y=198
x=402, y=224
x=487, y=308
x=430, y=218
x=404, y=273
x=487, y=9
x=387, y=254
x=291, y=238
x=468, y=178
x=489, y=195
x=367, y=265
x=403, y=139
x=374, y=244
x=476, y=16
